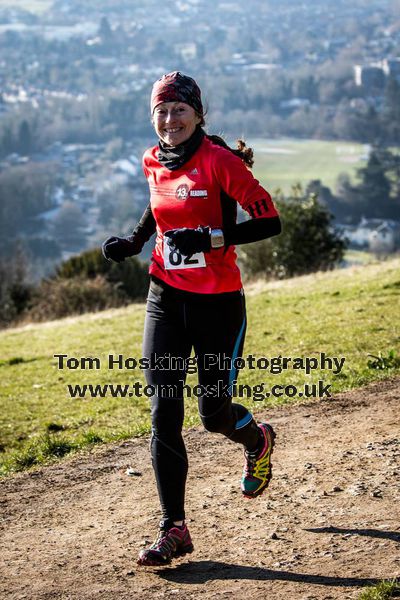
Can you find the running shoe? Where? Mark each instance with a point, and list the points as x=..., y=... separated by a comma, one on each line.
x=172, y=541
x=257, y=470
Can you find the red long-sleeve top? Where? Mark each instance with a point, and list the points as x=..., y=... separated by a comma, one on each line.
x=204, y=191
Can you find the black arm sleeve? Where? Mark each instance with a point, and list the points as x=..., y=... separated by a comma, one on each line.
x=253, y=230
x=146, y=226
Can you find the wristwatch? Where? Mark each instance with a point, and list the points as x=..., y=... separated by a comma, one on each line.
x=217, y=238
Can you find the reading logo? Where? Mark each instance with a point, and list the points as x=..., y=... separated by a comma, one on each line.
x=183, y=192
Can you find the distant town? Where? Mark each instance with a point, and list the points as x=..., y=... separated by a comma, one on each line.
x=74, y=100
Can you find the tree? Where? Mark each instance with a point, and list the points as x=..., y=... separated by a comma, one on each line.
x=375, y=187
x=347, y=208
x=105, y=32
x=392, y=164
x=324, y=195
x=378, y=193
x=307, y=243
x=114, y=148
x=25, y=191
x=391, y=113
x=68, y=223
x=7, y=140
x=307, y=87
x=15, y=291
x=24, y=138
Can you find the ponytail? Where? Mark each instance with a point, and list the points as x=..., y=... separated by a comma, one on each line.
x=242, y=151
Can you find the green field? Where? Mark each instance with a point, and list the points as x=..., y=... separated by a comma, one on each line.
x=348, y=313
x=281, y=163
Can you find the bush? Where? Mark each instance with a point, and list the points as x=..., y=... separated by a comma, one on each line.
x=307, y=243
x=87, y=264
x=131, y=276
x=84, y=283
x=15, y=291
x=56, y=298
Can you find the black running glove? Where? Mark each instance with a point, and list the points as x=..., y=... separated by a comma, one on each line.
x=189, y=241
x=117, y=249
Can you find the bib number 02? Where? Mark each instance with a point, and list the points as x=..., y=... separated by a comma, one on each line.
x=173, y=259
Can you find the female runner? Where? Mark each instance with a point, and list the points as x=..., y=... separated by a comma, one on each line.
x=196, y=298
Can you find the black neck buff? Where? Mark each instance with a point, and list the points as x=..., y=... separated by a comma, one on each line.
x=174, y=157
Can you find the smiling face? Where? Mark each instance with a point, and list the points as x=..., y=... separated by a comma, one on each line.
x=174, y=122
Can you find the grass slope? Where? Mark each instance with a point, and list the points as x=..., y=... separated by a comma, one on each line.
x=281, y=163
x=345, y=313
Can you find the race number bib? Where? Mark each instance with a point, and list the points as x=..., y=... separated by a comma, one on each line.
x=173, y=259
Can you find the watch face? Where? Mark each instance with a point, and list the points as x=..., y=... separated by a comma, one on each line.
x=217, y=238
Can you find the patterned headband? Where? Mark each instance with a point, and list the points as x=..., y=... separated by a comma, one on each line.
x=176, y=87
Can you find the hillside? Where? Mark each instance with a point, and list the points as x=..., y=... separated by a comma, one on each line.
x=347, y=314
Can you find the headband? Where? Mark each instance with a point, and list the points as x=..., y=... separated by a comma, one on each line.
x=176, y=87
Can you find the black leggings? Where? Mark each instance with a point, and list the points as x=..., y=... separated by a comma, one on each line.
x=214, y=325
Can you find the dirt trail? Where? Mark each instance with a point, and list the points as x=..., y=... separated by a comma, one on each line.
x=329, y=523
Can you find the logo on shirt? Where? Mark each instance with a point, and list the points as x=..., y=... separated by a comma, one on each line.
x=194, y=172
x=198, y=193
x=183, y=192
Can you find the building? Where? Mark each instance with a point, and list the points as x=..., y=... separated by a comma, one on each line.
x=370, y=77
x=374, y=75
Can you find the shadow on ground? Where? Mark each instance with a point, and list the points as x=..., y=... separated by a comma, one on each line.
x=207, y=570
x=374, y=533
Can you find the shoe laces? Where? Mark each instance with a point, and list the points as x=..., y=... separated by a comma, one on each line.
x=251, y=462
x=165, y=542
